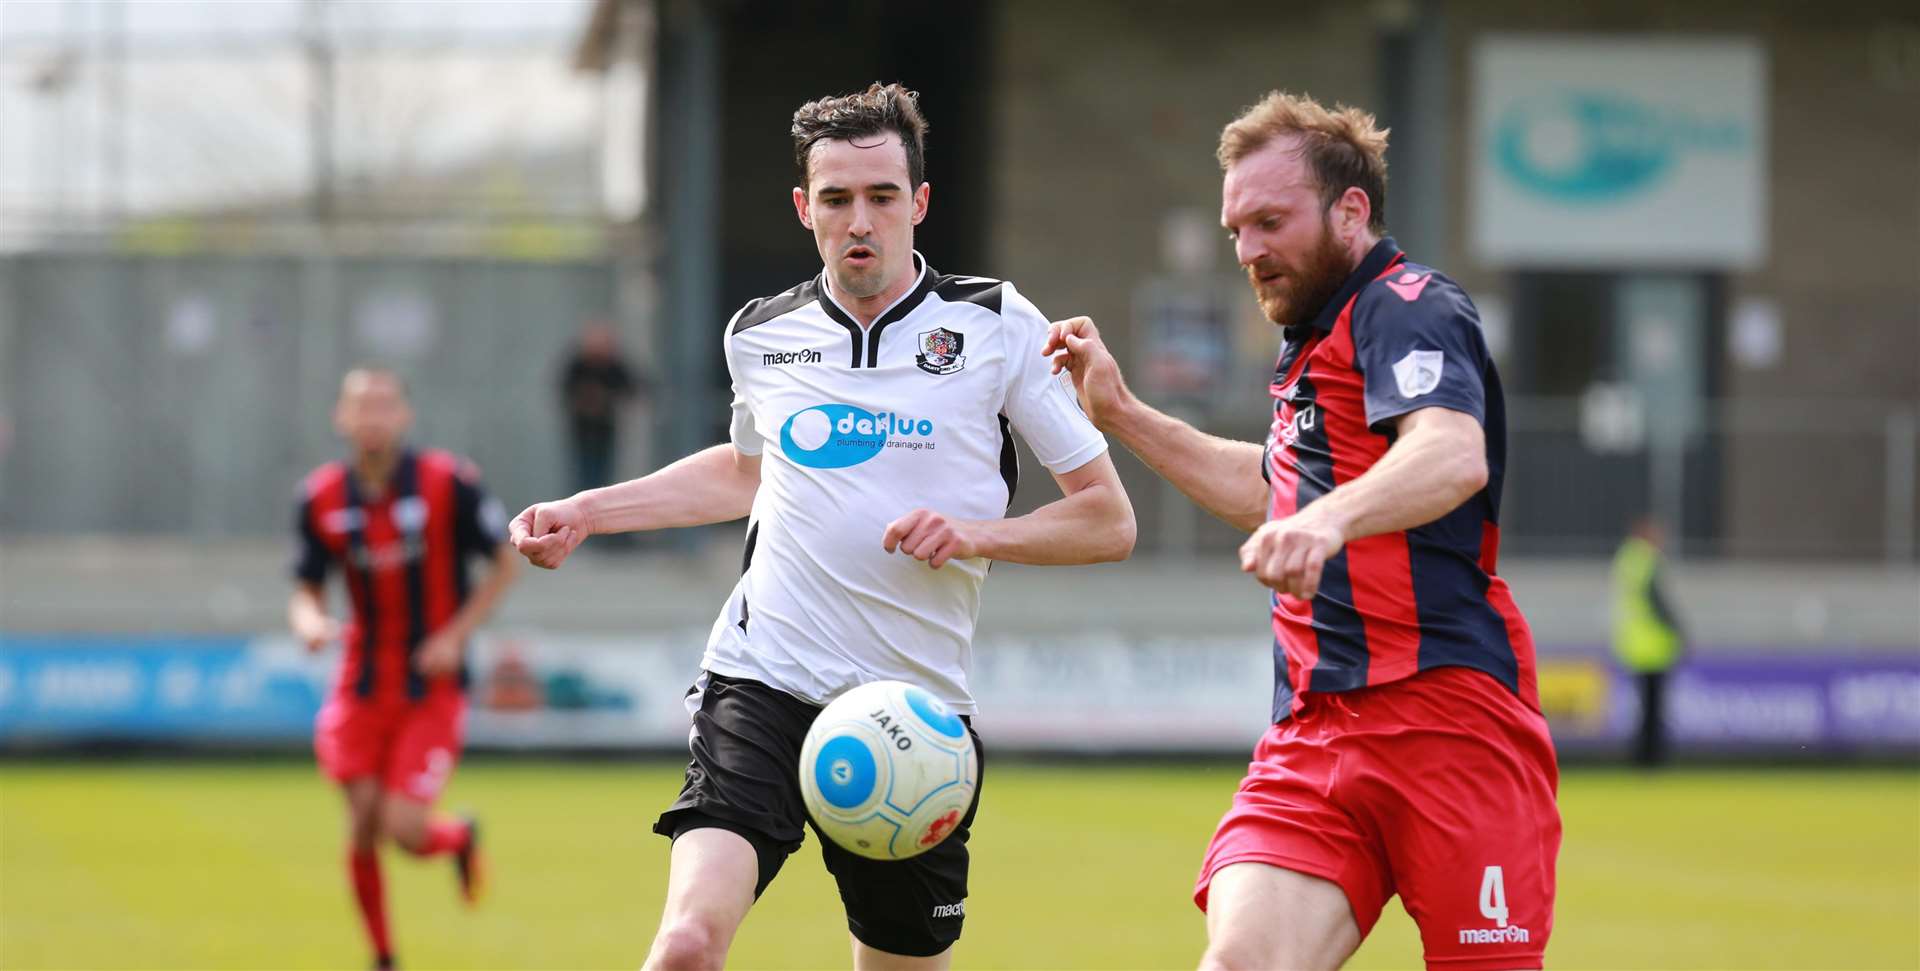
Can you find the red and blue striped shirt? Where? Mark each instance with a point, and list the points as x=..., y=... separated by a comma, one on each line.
x=404, y=555
x=1396, y=338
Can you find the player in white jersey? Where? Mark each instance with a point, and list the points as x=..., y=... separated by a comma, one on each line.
x=871, y=447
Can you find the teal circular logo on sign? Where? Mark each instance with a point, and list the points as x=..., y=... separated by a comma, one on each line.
x=1596, y=146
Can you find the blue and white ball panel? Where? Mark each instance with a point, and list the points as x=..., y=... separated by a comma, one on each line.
x=935, y=713
x=845, y=772
x=875, y=837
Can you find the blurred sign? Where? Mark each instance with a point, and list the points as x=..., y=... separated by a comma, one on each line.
x=192, y=325
x=582, y=692
x=1099, y=692
x=1619, y=152
x=1105, y=691
x=1613, y=418
x=397, y=323
x=1576, y=693
x=1660, y=340
x=148, y=689
x=1787, y=703
x=1756, y=336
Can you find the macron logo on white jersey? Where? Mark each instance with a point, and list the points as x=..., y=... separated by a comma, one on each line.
x=779, y=358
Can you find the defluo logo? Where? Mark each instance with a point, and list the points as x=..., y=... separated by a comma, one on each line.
x=834, y=436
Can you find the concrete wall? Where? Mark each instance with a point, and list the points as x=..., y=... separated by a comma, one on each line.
x=189, y=395
x=1107, y=116
x=1844, y=215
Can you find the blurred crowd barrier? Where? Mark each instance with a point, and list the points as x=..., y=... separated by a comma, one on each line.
x=1104, y=692
x=169, y=644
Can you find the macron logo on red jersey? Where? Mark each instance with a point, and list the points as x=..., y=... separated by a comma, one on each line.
x=1409, y=284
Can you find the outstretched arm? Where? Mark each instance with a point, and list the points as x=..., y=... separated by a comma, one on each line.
x=711, y=486
x=1219, y=474
x=1092, y=522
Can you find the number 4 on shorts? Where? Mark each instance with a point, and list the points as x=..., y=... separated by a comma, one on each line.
x=1493, y=896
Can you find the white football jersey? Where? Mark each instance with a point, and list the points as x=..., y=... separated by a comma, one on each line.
x=857, y=427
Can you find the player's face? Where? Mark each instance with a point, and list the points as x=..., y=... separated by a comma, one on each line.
x=1270, y=206
x=372, y=414
x=862, y=209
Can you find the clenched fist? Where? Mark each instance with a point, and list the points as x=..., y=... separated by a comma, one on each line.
x=1288, y=554
x=546, y=532
x=316, y=631
x=927, y=535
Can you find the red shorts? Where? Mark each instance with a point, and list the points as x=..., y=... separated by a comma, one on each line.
x=1439, y=788
x=410, y=747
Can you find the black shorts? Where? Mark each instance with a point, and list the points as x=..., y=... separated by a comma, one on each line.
x=745, y=778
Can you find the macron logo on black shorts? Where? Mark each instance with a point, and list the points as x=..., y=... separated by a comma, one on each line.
x=950, y=910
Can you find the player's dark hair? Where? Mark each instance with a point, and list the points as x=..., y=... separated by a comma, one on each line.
x=879, y=109
x=1344, y=146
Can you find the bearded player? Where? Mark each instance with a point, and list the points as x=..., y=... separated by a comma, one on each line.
x=1407, y=753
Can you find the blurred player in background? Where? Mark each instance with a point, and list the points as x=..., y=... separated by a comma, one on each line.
x=401, y=525
x=1408, y=753
x=872, y=446
x=596, y=385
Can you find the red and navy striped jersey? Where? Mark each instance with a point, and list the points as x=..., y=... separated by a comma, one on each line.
x=404, y=554
x=1396, y=338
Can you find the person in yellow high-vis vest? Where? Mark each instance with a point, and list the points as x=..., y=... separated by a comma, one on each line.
x=1647, y=637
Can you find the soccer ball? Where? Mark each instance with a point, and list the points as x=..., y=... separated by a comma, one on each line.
x=888, y=771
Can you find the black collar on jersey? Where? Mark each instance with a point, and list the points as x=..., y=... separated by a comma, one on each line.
x=1384, y=254
x=869, y=337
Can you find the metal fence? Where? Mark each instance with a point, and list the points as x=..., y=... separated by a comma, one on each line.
x=1752, y=478
x=1800, y=480
x=187, y=395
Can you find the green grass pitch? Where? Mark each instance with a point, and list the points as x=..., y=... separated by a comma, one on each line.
x=239, y=865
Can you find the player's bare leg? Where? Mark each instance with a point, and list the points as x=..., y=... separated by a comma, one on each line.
x=363, y=864
x=870, y=959
x=1261, y=916
x=404, y=821
x=416, y=828
x=363, y=813
x=709, y=891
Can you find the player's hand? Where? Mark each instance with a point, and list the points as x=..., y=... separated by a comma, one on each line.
x=546, y=532
x=1076, y=347
x=440, y=653
x=927, y=535
x=1288, y=554
x=317, y=632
